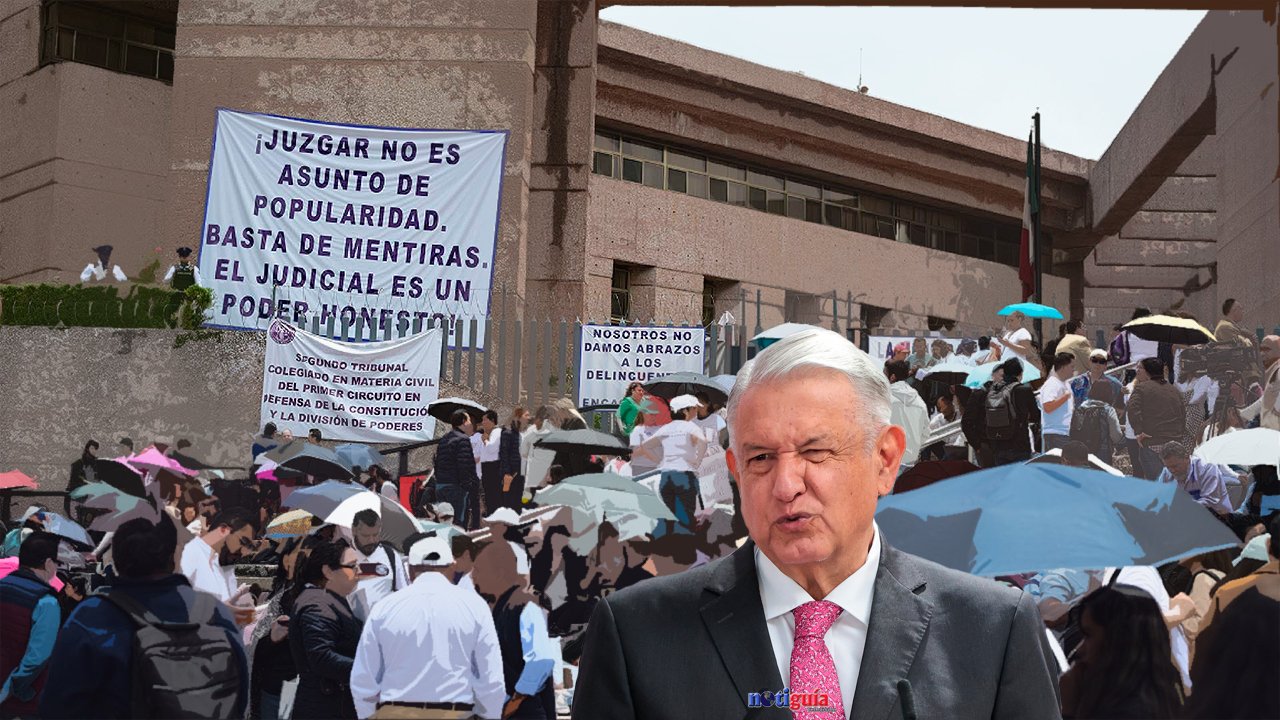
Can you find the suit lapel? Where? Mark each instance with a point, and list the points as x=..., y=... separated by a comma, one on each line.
x=734, y=618
x=899, y=618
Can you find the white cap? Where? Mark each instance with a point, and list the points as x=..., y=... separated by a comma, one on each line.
x=680, y=402
x=504, y=515
x=1099, y=353
x=433, y=551
x=443, y=509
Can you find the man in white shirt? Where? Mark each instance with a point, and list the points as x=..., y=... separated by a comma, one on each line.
x=907, y=410
x=430, y=649
x=1205, y=482
x=1057, y=404
x=381, y=569
x=203, y=558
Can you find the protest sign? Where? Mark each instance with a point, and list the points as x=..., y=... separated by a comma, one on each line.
x=881, y=346
x=362, y=392
x=309, y=219
x=613, y=356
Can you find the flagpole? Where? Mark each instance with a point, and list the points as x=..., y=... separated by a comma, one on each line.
x=1035, y=231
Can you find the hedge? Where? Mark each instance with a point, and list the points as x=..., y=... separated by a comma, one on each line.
x=52, y=305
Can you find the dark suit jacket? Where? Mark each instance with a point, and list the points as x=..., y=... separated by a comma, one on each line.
x=693, y=645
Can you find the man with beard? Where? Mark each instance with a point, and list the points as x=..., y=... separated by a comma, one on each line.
x=381, y=569
x=207, y=560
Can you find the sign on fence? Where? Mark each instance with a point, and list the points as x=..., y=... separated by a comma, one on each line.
x=881, y=346
x=307, y=219
x=613, y=356
x=362, y=392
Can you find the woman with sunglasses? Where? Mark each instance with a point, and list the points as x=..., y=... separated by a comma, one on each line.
x=324, y=633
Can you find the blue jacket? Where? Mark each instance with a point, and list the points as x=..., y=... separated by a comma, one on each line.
x=455, y=461
x=90, y=670
x=29, y=619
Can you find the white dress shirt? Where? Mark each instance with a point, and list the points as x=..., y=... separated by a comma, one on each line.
x=490, y=450
x=372, y=589
x=846, y=639
x=680, y=450
x=204, y=572
x=429, y=643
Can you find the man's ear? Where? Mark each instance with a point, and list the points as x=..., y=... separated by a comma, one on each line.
x=890, y=447
x=732, y=460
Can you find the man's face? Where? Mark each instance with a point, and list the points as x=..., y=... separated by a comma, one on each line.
x=1177, y=466
x=1236, y=313
x=919, y=347
x=1270, y=351
x=367, y=537
x=809, y=485
x=467, y=427
x=93, y=451
x=239, y=541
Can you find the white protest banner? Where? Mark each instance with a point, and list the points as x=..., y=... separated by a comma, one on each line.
x=881, y=346
x=363, y=392
x=612, y=356
x=310, y=219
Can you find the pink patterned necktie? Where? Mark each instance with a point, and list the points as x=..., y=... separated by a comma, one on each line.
x=813, y=672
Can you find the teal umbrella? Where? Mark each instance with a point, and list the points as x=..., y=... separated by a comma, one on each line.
x=1032, y=310
x=979, y=375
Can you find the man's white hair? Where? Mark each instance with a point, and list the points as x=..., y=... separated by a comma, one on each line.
x=819, y=349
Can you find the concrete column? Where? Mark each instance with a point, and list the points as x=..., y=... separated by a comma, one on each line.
x=563, y=118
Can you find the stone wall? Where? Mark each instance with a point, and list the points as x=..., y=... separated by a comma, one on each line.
x=63, y=386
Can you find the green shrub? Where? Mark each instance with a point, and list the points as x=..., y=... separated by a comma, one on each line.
x=101, y=306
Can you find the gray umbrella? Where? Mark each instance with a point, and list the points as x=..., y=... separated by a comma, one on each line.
x=591, y=442
x=687, y=383
x=444, y=408
x=311, y=459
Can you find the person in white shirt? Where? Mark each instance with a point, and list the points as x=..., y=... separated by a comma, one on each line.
x=907, y=410
x=98, y=271
x=499, y=524
x=1015, y=341
x=711, y=421
x=381, y=570
x=683, y=442
x=540, y=426
x=206, y=560
x=432, y=643
x=1205, y=482
x=1057, y=403
x=954, y=447
x=183, y=274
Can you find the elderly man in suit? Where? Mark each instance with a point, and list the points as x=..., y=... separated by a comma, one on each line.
x=817, y=602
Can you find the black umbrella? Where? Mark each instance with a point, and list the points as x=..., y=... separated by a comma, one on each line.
x=119, y=476
x=685, y=383
x=191, y=463
x=444, y=408
x=590, y=442
x=1170, y=329
x=311, y=459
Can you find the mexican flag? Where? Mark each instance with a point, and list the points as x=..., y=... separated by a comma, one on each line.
x=1026, y=247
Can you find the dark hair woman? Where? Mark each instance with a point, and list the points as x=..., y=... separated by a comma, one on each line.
x=1124, y=665
x=324, y=633
x=270, y=657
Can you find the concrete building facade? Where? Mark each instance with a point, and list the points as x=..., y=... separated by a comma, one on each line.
x=646, y=178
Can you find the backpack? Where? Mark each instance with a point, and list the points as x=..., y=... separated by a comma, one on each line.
x=180, y=669
x=1000, y=416
x=1119, y=350
x=1089, y=426
x=391, y=555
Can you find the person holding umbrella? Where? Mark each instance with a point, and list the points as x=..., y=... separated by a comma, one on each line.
x=1015, y=341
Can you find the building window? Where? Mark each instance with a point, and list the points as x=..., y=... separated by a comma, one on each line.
x=132, y=38
x=620, y=296
x=685, y=171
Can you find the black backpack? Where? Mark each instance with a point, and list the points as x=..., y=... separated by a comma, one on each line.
x=180, y=669
x=1089, y=425
x=1000, y=416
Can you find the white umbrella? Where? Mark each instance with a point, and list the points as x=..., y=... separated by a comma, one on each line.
x=777, y=332
x=1256, y=446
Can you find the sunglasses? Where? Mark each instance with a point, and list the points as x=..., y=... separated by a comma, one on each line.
x=1097, y=361
x=352, y=566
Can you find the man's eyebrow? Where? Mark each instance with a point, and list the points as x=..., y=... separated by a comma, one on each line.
x=816, y=439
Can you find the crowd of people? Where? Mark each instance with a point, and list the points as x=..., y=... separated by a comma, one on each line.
x=483, y=613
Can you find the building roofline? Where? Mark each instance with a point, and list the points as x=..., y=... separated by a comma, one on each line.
x=649, y=49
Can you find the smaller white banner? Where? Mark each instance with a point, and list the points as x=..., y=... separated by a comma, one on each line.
x=881, y=346
x=611, y=357
x=374, y=392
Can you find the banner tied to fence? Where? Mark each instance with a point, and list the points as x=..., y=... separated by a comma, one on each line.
x=307, y=219
x=362, y=392
x=613, y=357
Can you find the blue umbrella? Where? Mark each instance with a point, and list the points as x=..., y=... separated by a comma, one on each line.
x=978, y=376
x=358, y=455
x=1032, y=310
x=1027, y=518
